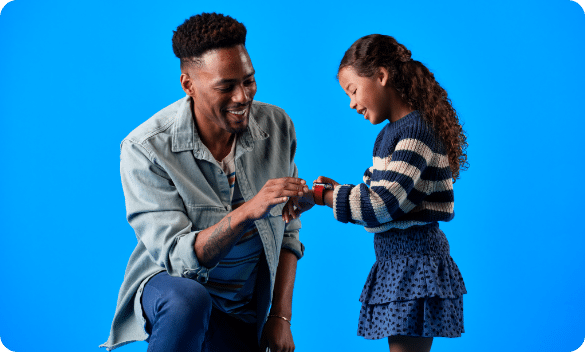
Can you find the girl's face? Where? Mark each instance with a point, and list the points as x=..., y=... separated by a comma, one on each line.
x=368, y=95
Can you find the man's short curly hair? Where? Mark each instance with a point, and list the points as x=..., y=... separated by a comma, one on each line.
x=204, y=32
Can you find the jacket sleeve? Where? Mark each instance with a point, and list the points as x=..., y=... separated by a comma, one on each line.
x=291, y=235
x=157, y=214
x=396, y=185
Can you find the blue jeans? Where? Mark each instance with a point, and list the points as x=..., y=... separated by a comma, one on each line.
x=180, y=317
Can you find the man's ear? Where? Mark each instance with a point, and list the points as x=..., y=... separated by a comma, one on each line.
x=186, y=83
x=383, y=76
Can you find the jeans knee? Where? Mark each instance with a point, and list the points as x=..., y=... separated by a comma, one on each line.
x=190, y=300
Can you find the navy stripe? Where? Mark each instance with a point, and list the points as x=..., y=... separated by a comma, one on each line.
x=410, y=157
x=441, y=197
x=251, y=237
x=433, y=173
x=416, y=196
x=392, y=176
x=235, y=259
x=366, y=207
x=368, y=175
x=343, y=204
x=428, y=215
x=229, y=266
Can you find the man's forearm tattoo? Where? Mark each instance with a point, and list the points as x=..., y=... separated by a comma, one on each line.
x=222, y=239
x=218, y=240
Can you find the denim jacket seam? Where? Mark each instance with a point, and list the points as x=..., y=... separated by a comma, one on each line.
x=148, y=152
x=147, y=135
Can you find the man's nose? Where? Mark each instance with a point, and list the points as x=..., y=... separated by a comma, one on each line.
x=241, y=95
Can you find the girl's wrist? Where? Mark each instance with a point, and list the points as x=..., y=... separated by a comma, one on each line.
x=328, y=197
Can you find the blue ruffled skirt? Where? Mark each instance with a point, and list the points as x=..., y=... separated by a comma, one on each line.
x=414, y=288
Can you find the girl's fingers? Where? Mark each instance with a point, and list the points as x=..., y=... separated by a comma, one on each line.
x=288, y=211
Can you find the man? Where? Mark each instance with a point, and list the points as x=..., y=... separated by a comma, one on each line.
x=205, y=180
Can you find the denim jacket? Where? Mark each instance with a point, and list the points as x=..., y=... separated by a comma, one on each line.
x=174, y=189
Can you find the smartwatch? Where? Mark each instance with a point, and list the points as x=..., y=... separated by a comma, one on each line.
x=318, y=192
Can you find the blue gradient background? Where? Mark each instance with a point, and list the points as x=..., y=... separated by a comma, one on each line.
x=76, y=78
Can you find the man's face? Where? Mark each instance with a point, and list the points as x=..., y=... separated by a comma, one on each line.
x=222, y=89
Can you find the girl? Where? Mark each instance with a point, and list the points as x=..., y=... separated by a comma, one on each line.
x=414, y=289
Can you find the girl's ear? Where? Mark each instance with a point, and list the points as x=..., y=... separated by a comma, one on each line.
x=383, y=76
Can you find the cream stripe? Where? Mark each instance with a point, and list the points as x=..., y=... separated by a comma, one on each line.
x=438, y=160
x=400, y=194
x=378, y=205
x=356, y=205
x=417, y=146
x=424, y=186
x=365, y=178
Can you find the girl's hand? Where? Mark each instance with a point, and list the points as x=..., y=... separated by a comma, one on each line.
x=297, y=205
x=323, y=179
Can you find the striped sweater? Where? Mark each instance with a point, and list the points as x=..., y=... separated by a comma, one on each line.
x=409, y=183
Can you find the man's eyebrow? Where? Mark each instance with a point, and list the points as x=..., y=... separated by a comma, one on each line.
x=233, y=80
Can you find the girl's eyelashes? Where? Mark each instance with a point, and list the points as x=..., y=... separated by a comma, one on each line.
x=354, y=92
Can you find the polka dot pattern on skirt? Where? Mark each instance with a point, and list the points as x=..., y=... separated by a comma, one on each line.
x=414, y=288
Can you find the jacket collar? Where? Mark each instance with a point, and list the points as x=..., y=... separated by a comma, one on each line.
x=185, y=136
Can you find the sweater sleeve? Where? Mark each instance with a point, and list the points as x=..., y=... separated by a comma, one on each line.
x=396, y=185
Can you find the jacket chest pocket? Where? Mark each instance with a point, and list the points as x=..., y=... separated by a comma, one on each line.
x=203, y=217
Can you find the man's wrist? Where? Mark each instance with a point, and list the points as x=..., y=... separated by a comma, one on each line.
x=278, y=316
x=243, y=212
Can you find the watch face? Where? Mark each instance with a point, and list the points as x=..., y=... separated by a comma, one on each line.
x=324, y=185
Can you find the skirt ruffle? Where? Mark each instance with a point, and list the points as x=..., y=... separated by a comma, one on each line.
x=414, y=288
x=408, y=278
x=424, y=317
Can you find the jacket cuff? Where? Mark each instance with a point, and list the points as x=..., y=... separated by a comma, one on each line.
x=189, y=266
x=292, y=243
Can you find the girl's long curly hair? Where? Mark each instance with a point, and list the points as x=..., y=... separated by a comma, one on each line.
x=417, y=87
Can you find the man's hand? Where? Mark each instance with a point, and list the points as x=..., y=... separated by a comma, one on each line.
x=213, y=243
x=277, y=336
x=297, y=205
x=275, y=191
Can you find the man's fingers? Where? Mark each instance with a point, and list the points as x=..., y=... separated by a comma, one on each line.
x=288, y=182
x=278, y=200
x=287, y=193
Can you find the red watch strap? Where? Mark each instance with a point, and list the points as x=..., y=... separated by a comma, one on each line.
x=318, y=194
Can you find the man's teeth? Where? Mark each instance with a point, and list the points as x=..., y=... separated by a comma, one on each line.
x=241, y=112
